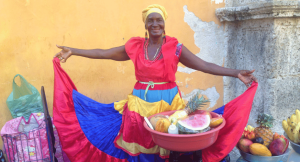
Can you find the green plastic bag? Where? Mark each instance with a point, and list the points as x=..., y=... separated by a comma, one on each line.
x=24, y=99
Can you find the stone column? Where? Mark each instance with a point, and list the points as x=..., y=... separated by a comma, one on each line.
x=264, y=35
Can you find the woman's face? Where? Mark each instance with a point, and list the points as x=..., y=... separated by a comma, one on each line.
x=155, y=25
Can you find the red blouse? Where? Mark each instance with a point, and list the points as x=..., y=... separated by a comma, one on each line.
x=162, y=70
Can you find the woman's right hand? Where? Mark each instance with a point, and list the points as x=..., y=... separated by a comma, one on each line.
x=64, y=54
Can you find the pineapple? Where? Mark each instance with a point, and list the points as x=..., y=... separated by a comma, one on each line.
x=266, y=122
x=192, y=105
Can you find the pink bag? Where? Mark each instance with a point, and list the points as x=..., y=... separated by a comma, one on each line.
x=27, y=141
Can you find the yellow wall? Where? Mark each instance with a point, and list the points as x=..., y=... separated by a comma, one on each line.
x=29, y=30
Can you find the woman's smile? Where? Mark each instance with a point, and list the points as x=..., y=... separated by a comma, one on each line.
x=155, y=24
x=156, y=30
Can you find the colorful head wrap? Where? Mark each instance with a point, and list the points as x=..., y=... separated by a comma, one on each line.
x=154, y=8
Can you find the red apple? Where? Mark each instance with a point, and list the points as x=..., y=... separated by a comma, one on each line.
x=278, y=146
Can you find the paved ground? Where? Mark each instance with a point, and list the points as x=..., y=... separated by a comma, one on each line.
x=234, y=155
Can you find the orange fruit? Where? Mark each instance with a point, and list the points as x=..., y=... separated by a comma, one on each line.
x=214, y=122
x=162, y=125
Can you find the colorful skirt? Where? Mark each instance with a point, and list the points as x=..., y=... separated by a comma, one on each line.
x=92, y=131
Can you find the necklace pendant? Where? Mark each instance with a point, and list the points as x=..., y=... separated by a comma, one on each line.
x=146, y=52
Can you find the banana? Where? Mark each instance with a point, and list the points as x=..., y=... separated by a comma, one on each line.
x=296, y=133
x=250, y=128
x=298, y=115
x=289, y=121
x=287, y=129
x=294, y=121
x=285, y=125
x=290, y=133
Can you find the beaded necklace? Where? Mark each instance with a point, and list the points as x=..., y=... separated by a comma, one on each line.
x=156, y=56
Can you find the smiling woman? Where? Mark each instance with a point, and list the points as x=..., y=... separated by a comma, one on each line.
x=155, y=25
x=105, y=134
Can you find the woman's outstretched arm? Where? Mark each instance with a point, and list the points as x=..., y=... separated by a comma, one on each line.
x=190, y=60
x=116, y=53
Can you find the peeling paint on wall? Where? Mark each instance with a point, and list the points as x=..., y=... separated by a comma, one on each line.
x=211, y=93
x=121, y=68
x=186, y=82
x=209, y=37
x=217, y=1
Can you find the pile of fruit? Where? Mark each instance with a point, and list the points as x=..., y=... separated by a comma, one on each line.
x=261, y=141
x=291, y=127
x=186, y=123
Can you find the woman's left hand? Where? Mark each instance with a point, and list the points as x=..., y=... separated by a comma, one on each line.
x=246, y=77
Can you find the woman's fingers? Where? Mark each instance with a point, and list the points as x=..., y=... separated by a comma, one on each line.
x=63, y=60
x=252, y=71
x=56, y=55
x=248, y=72
x=69, y=54
x=247, y=85
x=61, y=47
x=247, y=77
x=254, y=79
x=59, y=56
x=64, y=54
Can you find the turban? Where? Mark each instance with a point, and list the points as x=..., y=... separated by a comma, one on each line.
x=154, y=8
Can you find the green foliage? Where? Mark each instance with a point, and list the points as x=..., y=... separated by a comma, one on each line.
x=196, y=103
x=265, y=120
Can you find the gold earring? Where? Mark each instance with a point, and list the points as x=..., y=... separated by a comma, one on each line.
x=146, y=35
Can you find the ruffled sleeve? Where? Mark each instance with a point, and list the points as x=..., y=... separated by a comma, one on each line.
x=133, y=47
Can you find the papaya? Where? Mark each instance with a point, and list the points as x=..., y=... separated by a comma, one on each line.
x=162, y=125
x=259, y=150
x=155, y=118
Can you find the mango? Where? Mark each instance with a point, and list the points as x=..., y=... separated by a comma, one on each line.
x=214, y=122
x=259, y=150
x=244, y=144
x=278, y=146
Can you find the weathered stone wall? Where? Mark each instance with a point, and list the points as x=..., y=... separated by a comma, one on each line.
x=272, y=47
x=249, y=47
x=265, y=36
x=284, y=77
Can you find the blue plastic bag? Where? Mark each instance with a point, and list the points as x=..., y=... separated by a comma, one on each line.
x=24, y=99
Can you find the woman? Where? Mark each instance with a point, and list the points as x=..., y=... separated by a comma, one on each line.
x=155, y=59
